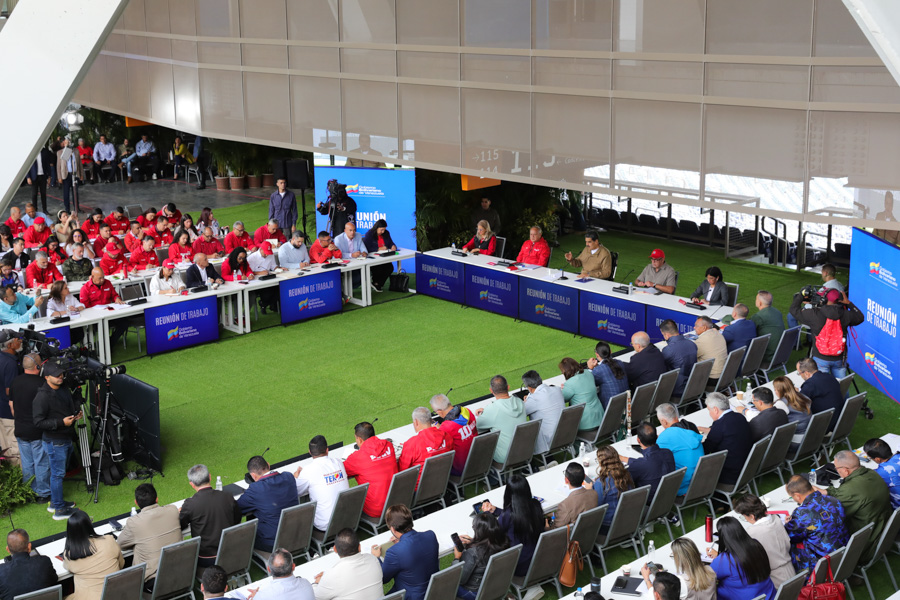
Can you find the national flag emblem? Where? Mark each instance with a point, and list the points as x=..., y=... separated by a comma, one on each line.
x=353, y=189
x=432, y=282
x=303, y=304
x=870, y=358
x=603, y=325
x=539, y=309
x=875, y=267
x=482, y=295
x=172, y=334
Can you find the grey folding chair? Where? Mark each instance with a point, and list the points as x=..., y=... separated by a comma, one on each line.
x=733, y=289
x=501, y=246
x=177, y=566
x=478, y=464
x=521, y=450
x=641, y=400
x=748, y=472
x=844, y=426
x=127, y=584
x=812, y=440
x=729, y=371
x=586, y=529
x=401, y=595
x=756, y=350
x=609, y=425
x=790, y=589
x=444, y=584
x=236, y=550
x=295, y=527
x=782, y=354
x=347, y=513
x=885, y=541
x=857, y=544
x=626, y=523
x=662, y=503
x=133, y=291
x=845, y=383
x=133, y=211
x=821, y=569
x=703, y=484
x=498, y=574
x=50, y=593
x=403, y=486
x=776, y=453
x=695, y=386
x=665, y=385
x=545, y=564
x=566, y=431
x=433, y=483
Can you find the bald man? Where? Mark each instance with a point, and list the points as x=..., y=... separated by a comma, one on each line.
x=22, y=573
x=646, y=364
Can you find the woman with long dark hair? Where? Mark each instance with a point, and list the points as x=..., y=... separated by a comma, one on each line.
x=91, y=225
x=80, y=237
x=612, y=480
x=712, y=290
x=741, y=564
x=89, y=557
x=769, y=531
x=521, y=517
x=580, y=388
x=236, y=267
x=181, y=250
x=208, y=220
x=609, y=375
x=378, y=239
x=54, y=252
x=489, y=539
x=187, y=224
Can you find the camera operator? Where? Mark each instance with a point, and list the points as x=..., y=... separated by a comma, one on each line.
x=818, y=318
x=55, y=413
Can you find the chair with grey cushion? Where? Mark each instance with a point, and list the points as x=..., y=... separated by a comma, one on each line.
x=177, y=566
x=665, y=385
x=729, y=371
x=498, y=574
x=444, y=583
x=50, y=593
x=812, y=440
x=545, y=564
x=609, y=425
x=565, y=434
x=403, y=487
x=478, y=464
x=348, y=509
x=501, y=247
x=521, y=451
x=790, y=589
x=756, y=351
x=821, y=569
x=641, y=400
x=295, y=527
x=586, y=529
x=789, y=338
x=626, y=524
x=748, y=472
x=856, y=545
x=883, y=544
x=733, y=290
x=236, y=550
x=127, y=584
x=845, y=383
x=433, y=483
x=695, y=386
x=663, y=501
x=703, y=485
x=776, y=453
x=844, y=426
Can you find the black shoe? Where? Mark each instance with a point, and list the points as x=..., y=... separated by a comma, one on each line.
x=42, y=500
x=201, y=186
x=61, y=514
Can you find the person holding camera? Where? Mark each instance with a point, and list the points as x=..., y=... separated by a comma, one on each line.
x=828, y=323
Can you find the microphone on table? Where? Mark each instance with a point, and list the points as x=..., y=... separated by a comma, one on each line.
x=448, y=392
x=356, y=446
x=247, y=479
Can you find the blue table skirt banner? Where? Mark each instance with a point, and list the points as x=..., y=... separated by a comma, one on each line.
x=440, y=278
x=310, y=296
x=549, y=304
x=610, y=318
x=181, y=324
x=61, y=333
x=492, y=290
x=685, y=321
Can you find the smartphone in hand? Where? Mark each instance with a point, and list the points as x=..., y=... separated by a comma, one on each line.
x=457, y=542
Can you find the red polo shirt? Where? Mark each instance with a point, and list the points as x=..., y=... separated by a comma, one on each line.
x=208, y=248
x=163, y=238
x=131, y=242
x=228, y=275
x=35, y=239
x=176, y=252
x=117, y=225
x=100, y=244
x=262, y=234
x=318, y=254
x=233, y=240
x=92, y=295
x=36, y=276
x=141, y=259
x=112, y=265
x=17, y=227
x=90, y=228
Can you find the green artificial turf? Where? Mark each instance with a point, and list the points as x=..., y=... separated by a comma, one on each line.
x=279, y=386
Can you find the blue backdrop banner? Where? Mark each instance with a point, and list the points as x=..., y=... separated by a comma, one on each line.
x=549, y=304
x=310, y=296
x=181, y=324
x=609, y=318
x=872, y=347
x=495, y=291
x=656, y=315
x=62, y=333
x=440, y=278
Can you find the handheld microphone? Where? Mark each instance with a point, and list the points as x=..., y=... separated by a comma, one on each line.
x=627, y=276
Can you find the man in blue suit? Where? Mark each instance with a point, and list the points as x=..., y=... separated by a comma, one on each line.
x=680, y=353
x=413, y=559
x=730, y=431
x=269, y=494
x=741, y=331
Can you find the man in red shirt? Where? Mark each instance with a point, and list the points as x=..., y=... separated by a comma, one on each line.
x=237, y=237
x=117, y=221
x=112, y=261
x=37, y=234
x=323, y=249
x=374, y=463
x=459, y=423
x=172, y=214
x=97, y=290
x=429, y=441
x=208, y=245
x=145, y=257
x=40, y=273
x=269, y=231
x=15, y=222
x=133, y=238
x=535, y=250
x=104, y=238
x=161, y=234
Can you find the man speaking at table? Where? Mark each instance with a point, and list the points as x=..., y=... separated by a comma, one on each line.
x=535, y=250
x=658, y=274
x=595, y=260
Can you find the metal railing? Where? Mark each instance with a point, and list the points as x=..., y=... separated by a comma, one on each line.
x=776, y=239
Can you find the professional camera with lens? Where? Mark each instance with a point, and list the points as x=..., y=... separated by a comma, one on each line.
x=812, y=296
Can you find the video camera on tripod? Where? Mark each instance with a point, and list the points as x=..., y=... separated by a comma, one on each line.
x=812, y=296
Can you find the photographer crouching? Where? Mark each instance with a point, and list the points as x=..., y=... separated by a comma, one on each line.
x=828, y=318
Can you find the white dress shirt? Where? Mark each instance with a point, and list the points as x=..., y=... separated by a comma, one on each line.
x=158, y=284
x=258, y=262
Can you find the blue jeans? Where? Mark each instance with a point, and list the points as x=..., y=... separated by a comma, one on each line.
x=465, y=594
x=127, y=162
x=36, y=463
x=58, y=451
x=838, y=368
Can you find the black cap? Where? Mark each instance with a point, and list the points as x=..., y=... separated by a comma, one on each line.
x=9, y=334
x=52, y=368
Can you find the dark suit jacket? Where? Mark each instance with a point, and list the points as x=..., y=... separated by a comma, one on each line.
x=192, y=276
x=730, y=432
x=765, y=422
x=266, y=498
x=208, y=512
x=650, y=469
x=48, y=160
x=739, y=334
x=645, y=366
x=680, y=353
x=411, y=562
x=720, y=294
x=824, y=392
x=371, y=240
x=24, y=573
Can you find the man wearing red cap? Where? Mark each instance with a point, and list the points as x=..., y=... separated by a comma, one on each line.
x=595, y=260
x=658, y=274
x=104, y=237
x=237, y=237
x=208, y=245
x=269, y=231
x=146, y=257
x=112, y=261
x=15, y=222
x=37, y=234
x=262, y=262
x=821, y=318
x=166, y=281
x=41, y=274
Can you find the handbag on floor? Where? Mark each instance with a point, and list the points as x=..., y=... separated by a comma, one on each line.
x=828, y=590
x=399, y=282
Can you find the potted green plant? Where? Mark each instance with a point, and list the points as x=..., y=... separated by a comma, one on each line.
x=254, y=170
x=220, y=151
x=237, y=165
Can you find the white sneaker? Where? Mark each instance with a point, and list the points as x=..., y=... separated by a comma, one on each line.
x=154, y=176
x=533, y=593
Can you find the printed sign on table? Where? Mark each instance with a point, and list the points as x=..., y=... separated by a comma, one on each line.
x=547, y=303
x=684, y=320
x=440, y=278
x=310, y=296
x=609, y=318
x=181, y=324
x=494, y=291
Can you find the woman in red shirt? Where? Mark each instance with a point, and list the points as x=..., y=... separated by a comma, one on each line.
x=91, y=225
x=235, y=267
x=148, y=219
x=483, y=242
x=54, y=251
x=181, y=251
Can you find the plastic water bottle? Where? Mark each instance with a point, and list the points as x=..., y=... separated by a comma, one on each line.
x=747, y=393
x=579, y=593
x=453, y=246
x=812, y=476
x=651, y=551
x=133, y=511
x=219, y=483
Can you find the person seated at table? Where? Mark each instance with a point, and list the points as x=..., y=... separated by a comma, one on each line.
x=460, y=424
x=378, y=239
x=55, y=253
x=23, y=572
x=768, y=531
x=817, y=526
x=741, y=565
x=37, y=234
x=153, y=528
x=323, y=478
x=283, y=584
x=65, y=225
x=171, y=213
x=15, y=223
x=769, y=417
x=647, y=363
x=698, y=577
x=113, y=260
x=181, y=250
x=888, y=466
x=40, y=274
x=612, y=480
x=98, y=290
x=429, y=441
x=769, y=320
x=262, y=262
x=187, y=224
x=483, y=242
x=32, y=213
x=91, y=225
x=148, y=218
x=117, y=221
x=822, y=389
x=656, y=462
x=201, y=272
x=324, y=249
x=104, y=238
x=235, y=267
x=146, y=257
x=413, y=558
x=608, y=373
x=580, y=388
x=356, y=574
x=237, y=237
x=685, y=443
x=160, y=232
x=711, y=290
x=595, y=260
x=134, y=236
x=269, y=494
x=488, y=539
x=679, y=353
x=521, y=516
x=166, y=281
x=209, y=245
x=269, y=231
x=17, y=255
x=89, y=557
x=77, y=267
x=545, y=403
x=374, y=463
x=207, y=219
x=18, y=308
x=294, y=255
x=741, y=331
x=504, y=414
x=535, y=250
x=61, y=302
x=7, y=275
x=349, y=243
x=80, y=237
x=793, y=403
x=207, y=512
x=578, y=500
x=658, y=275
x=710, y=344
x=729, y=431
